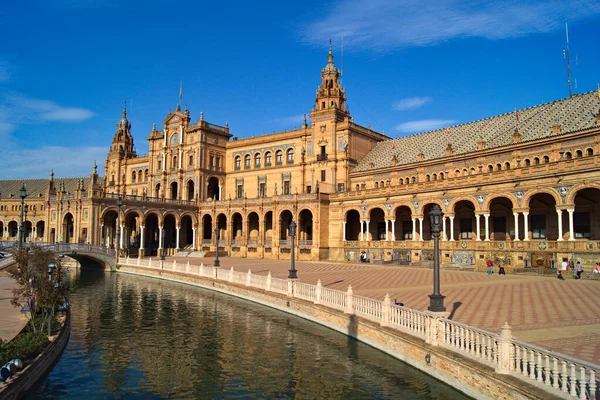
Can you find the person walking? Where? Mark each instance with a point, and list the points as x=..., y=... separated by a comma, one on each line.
x=501, y=270
x=490, y=266
x=578, y=269
x=563, y=269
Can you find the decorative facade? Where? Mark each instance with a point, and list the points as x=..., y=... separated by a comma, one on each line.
x=523, y=187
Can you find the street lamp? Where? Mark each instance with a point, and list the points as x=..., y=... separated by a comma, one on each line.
x=436, y=300
x=292, y=274
x=25, y=210
x=162, y=244
x=51, y=268
x=217, y=263
x=22, y=195
x=119, y=205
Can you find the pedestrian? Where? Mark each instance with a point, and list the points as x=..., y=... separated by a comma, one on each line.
x=579, y=269
x=501, y=270
x=563, y=269
x=597, y=268
x=490, y=265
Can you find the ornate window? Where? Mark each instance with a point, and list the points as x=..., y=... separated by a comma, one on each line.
x=268, y=159
x=278, y=157
x=247, y=161
x=237, y=163
x=290, y=156
x=257, y=160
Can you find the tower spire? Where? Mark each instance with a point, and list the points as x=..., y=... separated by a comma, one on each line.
x=125, y=109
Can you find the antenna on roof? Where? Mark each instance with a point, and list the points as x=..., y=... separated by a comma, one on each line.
x=567, y=56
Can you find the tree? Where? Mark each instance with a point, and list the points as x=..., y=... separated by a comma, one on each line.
x=34, y=287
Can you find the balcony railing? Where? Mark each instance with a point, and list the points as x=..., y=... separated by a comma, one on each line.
x=321, y=157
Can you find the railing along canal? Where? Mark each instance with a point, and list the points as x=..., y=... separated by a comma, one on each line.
x=559, y=374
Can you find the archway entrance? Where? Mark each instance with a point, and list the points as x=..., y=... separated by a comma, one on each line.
x=67, y=228
x=352, y=225
x=212, y=191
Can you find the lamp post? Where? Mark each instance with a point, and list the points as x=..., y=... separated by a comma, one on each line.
x=436, y=300
x=25, y=210
x=22, y=195
x=118, y=245
x=292, y=274
x=51, y=268
x=217, y=263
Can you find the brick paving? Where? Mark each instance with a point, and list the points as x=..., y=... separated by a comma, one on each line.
x=562, y=316
x=11, y=322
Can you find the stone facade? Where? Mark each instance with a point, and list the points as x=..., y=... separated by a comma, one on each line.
x=521, y=187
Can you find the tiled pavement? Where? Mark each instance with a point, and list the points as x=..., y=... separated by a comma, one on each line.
x=562, y=316
x=10, y=317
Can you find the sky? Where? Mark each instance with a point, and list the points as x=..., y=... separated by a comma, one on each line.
x=68, y=66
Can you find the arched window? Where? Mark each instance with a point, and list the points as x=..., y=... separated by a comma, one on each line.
x=401, y=181
x=546, y=159
x=414, y=179
x=278, y=157
x=434, y=177
x=465, y=172
x=146, y=175
x=133, y=176
x=174, y=165
x=536, y=161
x=507, y=165
x=140, y=174
x=456, y=173
x=268, y=159
x=247, y=161
x=498, y=167
x=442, y=176
x=527, y=162
x=238, y=162
x=290, y=156
x=579, y=154
x=357, y=187
x=490, y=168
x=257, y=160
x=590, y=152
x=406, y=180
x=472, y=171
x=376, y=185
x=568, y=155
x=427, y=178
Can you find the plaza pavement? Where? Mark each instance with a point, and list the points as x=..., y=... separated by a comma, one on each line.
x=562, y=316
x=11, y=322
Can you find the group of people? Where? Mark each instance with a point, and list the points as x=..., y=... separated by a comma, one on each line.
x=490, y=266
x=562, y=273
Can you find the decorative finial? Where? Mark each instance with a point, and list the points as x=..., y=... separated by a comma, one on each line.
x=125, y=109
x=51, y=174
x=227, y=124
x=305, y=120
x=94, y=168
x=201, y=115
x=330, y=47
x=154, y=127
x=178, y=108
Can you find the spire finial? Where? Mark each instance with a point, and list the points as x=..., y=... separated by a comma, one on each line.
x=330, y=47
x=125, y=109
x=51, y=175
x=95, y=168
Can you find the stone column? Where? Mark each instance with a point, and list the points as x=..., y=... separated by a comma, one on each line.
x=526, y=226
x=387, y=237
x=421, y=229
x=516, y=227
x=220, y=194
x=194, y=238
x=121, y=236
x=367, y=222
x=451, y=228
x=571, y=226
x=393, y=230
x=414, y=232
x=478, y=228
x=160, y=237
x=362, y=234
x=344, y=231
x=560, y=230
x=141, y=251
x=177, y=237
x=487, y=227
x=444, y=237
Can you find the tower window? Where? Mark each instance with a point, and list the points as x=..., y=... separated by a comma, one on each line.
x=323, y=175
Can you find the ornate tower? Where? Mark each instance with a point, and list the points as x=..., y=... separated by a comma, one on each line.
x=121, y=149
x=330, y=94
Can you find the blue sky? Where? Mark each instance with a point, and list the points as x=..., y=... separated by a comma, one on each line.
x=67, y=66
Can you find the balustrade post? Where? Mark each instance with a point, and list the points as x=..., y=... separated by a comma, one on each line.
x=231, y=275
x=349, y=301
x=162, y=266
x=318, y=292
x=174, y=266
x=386, y=310
x=504, y=350
x=249, y=277
x=201, y=270
x=290, y=287
x=269, y=281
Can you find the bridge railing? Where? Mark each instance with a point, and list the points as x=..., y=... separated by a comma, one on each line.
x=61, y=247
x=559, y=374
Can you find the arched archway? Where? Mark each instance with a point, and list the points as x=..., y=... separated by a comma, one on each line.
x=186, y=233
x=157, y=190
x=222, y=226
x=352, y=225
x=108, y=235
x=190, y=190
x=173, y=189
x=253, y=228
x=376, y=224
x=236, y=227
x=40, y=227
x=1, y=229
x=212, y=191
x=285, y=218
x=131, y=233
x=169, y=233
x=268, y=221
x=13, y=229
x=403, y=225
x=305, y=227
x=587, y=209
x=67, y=228
x=151, y=234
x=543, y=221
x=464, y=221
x=207, y=228
x=501, y=222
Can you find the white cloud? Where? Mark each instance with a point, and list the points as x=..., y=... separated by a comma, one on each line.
x=46, y=110
x=36, y=163
x=382, y=25
x=410, y=103
x=423, y=125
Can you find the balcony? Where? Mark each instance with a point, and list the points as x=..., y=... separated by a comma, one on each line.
x=321, y=157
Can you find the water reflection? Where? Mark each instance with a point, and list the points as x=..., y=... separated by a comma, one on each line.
x=136, y=337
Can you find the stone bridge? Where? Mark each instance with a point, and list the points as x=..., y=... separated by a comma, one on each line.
x=85, y=254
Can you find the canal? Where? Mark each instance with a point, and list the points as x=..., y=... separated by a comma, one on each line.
x=135, y=337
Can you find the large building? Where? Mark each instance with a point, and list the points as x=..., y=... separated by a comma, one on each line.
x=523, y=187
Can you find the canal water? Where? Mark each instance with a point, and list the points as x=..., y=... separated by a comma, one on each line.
x=142, y=338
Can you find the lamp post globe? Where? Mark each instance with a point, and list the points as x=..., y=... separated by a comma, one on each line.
x=217, y=263
x=292, y=229
x=436, y=300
